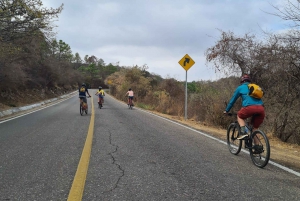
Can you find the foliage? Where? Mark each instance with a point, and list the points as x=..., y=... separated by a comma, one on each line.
x=31, y=60
x=21, y=18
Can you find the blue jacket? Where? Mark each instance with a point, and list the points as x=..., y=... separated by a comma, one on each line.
x=243, y=91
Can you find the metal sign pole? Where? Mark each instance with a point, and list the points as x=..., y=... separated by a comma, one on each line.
x=186, y=62
x=185, y=109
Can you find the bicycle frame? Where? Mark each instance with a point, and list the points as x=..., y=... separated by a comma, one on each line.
x=83, y=106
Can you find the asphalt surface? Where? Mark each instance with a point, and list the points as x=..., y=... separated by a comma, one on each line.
x=135, y=155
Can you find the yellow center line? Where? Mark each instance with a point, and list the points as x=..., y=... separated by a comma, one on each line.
x=77, y=188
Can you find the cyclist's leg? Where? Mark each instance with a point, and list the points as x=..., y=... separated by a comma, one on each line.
x=241, y=121
x=85, y=101
x=243, y=114
x=101, y=99
x=257, y=119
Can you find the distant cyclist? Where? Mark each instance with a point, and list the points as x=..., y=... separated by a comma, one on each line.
x=82, y=93
x=101, y=95
x=130, y=96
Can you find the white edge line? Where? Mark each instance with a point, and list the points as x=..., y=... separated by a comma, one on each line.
x=221, y=141
x=35, y=110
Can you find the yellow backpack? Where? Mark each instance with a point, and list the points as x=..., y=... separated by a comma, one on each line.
x=82, y=89
x=255, y=91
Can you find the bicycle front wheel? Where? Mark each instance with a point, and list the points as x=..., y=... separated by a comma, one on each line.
x=260, y=150
x=234, y=145
x=80, y=109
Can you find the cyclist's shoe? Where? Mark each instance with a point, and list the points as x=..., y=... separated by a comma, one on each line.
x=242, y=136
x=257, y=149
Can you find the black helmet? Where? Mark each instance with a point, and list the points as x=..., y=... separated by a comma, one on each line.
x=245, y=78
x=129, y=89
x=83, y=84
x=100, y=87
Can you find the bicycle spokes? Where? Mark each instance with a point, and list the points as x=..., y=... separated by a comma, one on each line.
x=260, y=149
x=233, y=143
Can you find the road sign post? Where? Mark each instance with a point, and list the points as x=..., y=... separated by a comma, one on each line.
x=186, y=62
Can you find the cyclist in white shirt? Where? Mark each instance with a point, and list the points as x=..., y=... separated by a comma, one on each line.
x=130, y=95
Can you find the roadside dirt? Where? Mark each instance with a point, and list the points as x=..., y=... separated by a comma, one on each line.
x=282, y=153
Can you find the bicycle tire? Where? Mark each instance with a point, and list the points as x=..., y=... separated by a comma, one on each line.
x=234, y=145
x=260, y=155
x=80, y=109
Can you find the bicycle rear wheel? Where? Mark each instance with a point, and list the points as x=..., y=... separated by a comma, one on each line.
x=234, y=145
x=260, y=150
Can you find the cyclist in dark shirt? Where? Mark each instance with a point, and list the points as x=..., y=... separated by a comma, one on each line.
x=82, y=93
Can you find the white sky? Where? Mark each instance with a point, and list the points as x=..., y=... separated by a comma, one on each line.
x=159, y=32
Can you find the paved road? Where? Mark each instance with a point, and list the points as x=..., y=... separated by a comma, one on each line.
x=135, y=155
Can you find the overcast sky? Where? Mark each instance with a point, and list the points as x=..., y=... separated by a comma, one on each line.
x=159, y=32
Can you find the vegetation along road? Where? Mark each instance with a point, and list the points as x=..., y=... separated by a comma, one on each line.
x=115, y=153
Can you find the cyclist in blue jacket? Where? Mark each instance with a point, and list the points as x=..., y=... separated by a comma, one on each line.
x=250, y=106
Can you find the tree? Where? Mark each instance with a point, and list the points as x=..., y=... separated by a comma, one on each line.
x=233, y=55
x=289, y=12
x=20, y=18
x=91, y=72
x=65, y=52
x=77, y=58
x=61, y=50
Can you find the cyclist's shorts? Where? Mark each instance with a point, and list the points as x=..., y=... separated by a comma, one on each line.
x=83, y=98
x=130, y=97
x=101, y=96
x=257, y=112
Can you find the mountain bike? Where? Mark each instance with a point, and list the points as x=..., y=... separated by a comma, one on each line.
x=83, y=106
x=257, y=143
x=100, y=103
x=130, y=105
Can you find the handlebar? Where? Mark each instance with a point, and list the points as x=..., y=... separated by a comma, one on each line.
x=231, y=114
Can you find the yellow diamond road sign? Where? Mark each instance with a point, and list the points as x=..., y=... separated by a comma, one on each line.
x=186, y=62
